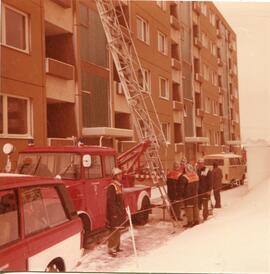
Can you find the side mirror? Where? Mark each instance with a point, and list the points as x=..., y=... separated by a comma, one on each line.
x=86, y=160
x=8, y=148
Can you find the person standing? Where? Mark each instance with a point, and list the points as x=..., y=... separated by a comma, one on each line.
x=116, y=213
x=217, y=183
x=190, y=181
x=174, y=189
x=205, y=187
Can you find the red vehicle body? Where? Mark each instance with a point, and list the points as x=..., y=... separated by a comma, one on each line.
x=86, y=172
x=40, y=229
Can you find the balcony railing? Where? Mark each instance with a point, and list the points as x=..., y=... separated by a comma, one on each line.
x=174, y=22
x=117, y=87
x=197, y=42
x=199, y=112
x=178, y=105
x=64, y=3
x=176, y=64
x=199, y=77
x=59, y=69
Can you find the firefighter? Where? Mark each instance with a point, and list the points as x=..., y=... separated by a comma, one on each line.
x=190, y=181
x=116, y=213
x=174, y=189
x=217, y=183
x=205, y=187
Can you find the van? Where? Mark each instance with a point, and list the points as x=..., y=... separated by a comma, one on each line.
x=232, y=165
x=40, y=229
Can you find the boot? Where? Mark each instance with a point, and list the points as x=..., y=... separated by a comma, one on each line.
x=189, y=214
x=205, y=208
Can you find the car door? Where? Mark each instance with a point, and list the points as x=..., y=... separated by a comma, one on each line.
x=49, y=233
x=93, y=178
x=13, y=249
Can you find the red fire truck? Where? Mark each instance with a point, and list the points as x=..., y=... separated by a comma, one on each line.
x=86, y=171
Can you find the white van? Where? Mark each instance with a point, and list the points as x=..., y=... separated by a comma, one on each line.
x=232, y=165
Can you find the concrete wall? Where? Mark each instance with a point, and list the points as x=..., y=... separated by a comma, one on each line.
x=258, y=159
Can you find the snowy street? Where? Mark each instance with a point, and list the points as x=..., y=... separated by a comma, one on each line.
x=235, y=239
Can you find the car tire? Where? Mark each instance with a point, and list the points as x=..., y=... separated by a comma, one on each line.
x=142, y=216
x=54, y=266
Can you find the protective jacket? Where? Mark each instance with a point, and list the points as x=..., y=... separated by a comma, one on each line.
x=174, y=186
x=116, y=213
x=190, y=182
x=205, y=181
x=217, y=178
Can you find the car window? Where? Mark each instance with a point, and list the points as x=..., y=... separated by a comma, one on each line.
x=42, y=209
x=109, y=164
x=210, y=162
x=95, y=170
x=8, y=217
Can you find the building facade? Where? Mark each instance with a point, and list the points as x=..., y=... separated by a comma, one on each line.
x=58, y=80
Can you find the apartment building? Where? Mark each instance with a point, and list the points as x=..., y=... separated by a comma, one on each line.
x=58, y=79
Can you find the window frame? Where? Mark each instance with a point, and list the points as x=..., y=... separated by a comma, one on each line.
x=29, y=114
x=164, y=49
x=147, y=34
x=168, y=129
x=146, y=80
x=26, y=26
x=167, y=96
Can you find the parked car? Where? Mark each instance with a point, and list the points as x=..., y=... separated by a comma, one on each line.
x=40, y=229
x=232, y=165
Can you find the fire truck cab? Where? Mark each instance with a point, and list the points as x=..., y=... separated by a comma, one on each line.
x=86, y=172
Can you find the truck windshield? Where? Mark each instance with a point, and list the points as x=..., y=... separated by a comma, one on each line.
x=210, y=162
x=67, y=165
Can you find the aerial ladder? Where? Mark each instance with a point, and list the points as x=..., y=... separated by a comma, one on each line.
x=139, y=100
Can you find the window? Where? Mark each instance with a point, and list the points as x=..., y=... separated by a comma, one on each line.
x=162, y=43
x=205, y=40
x=42, y=208
x=142, y=30
x=161, y=4
x=205, y=72
x=166, y=131
x=8, y=217
x=95, y=170
x=15, y=28
x=204, y=8
x=109, y=164
x=15, y=116
x=163, y=88
x=144, y=79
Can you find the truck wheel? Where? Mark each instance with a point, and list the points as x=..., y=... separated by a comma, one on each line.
x=141, y=218
x=242, y=180
x=86, y=230
x=55, y=266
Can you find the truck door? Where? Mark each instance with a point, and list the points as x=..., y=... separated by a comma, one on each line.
x=93, y=178
x=13, y=250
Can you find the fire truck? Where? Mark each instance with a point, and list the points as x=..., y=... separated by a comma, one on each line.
x=86, y=172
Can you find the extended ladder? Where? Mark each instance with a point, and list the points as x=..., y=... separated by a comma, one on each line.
x=127, y=63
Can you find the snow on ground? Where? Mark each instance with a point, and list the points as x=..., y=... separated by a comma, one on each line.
x=235, y=239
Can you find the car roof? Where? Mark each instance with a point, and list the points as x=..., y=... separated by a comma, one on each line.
x=8, y=181
x=73, y=149
x=221, y=156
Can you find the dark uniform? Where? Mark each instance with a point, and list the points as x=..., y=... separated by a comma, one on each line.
x=217, y=184
x=190, y=183
x=175, y=191
x=116, y=214
x=205, y=187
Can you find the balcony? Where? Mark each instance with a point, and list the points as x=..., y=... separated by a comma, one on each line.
x=199, y=77
x=64, y=3
x=179, y=147
x=60, y=84
x=174, y=22
x=178, y=105
x=199, y=112
x=59, y=69
x=221, y=91
x=175, y=64
x=218, y=32
x=220, y=62
x=117, y=88
x=198, y=42
x=197, y=7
